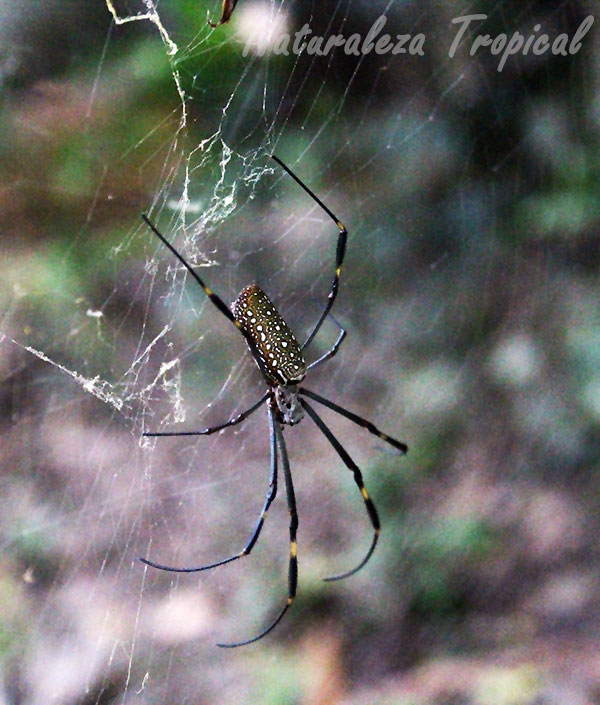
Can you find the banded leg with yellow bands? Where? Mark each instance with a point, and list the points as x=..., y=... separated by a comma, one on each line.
x=339, y=259
x=351, y=465
x=277, y=433
x=339, y=254
x=371, y=428
x=217, y=300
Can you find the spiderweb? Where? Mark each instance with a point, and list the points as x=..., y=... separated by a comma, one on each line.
x=460, y=186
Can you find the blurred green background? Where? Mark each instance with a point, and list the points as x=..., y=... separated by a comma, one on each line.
x=470, y=294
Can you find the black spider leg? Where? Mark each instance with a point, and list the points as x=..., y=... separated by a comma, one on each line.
x=330, y=353
x=339, y=256
x=216, y=300
x=293, y=561
x=351, y=465
x=402, y=447
x=213, y=429
x=259, y=524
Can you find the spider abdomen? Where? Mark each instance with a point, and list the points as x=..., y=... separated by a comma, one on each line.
x=276, y=346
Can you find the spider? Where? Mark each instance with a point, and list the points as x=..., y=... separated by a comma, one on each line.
x=280, y=358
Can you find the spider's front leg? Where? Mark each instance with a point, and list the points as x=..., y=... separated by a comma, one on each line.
x=340, y=251
x=336, y=346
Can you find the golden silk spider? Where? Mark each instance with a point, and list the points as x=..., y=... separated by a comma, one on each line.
x=280, y=358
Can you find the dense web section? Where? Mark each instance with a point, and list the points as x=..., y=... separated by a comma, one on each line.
x=370, y=134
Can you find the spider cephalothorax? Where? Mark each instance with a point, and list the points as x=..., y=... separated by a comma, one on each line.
x=289, y=404
x=280, y=358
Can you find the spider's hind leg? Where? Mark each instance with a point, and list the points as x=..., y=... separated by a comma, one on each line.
x=259, y=524
x=353, y=467
x=277, y=431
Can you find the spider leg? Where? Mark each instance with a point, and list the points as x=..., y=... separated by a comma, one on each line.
x=293, y=560
x=339, y=256
x=213, y=429
x=330, y=353
x=216, y=300
x=257, y=529
x=356, y=419
x=351, y=465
